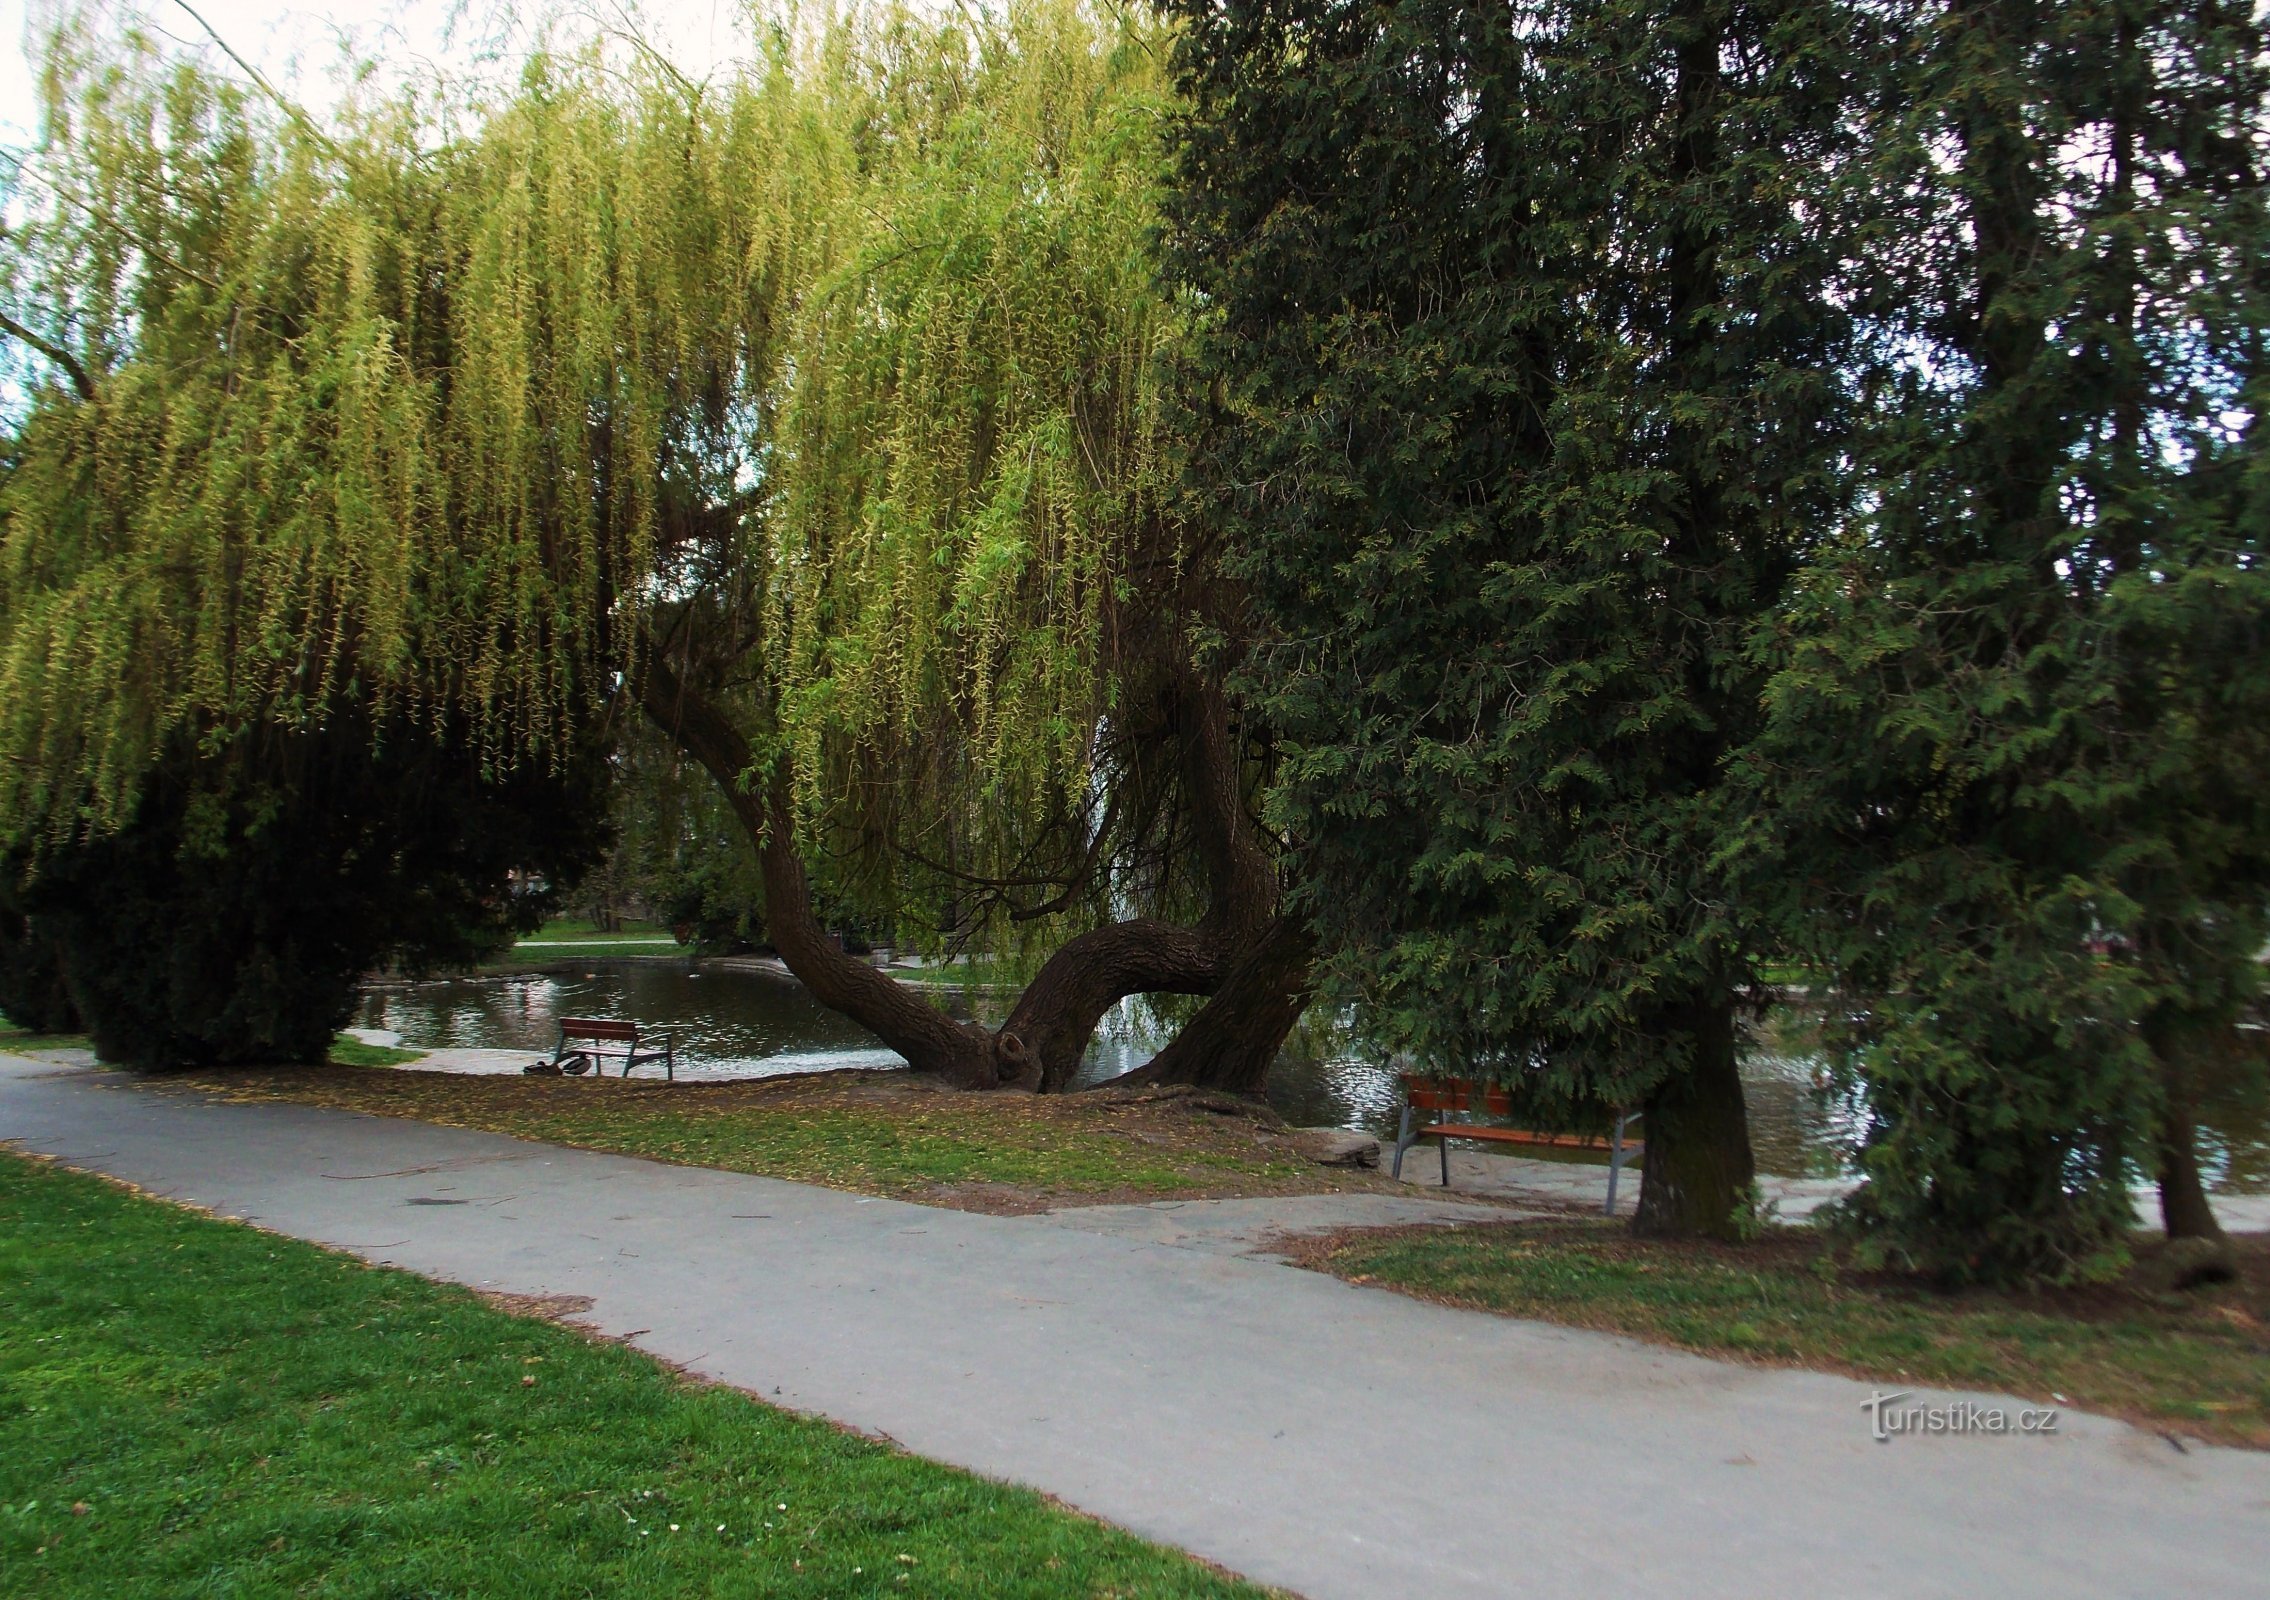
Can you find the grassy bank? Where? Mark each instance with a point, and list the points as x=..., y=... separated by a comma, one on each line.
x=873, y=1132
x=345, y=1051
x=352, y=1052
x=15, y=1038
x=191, y=1407
x=2196, y=1363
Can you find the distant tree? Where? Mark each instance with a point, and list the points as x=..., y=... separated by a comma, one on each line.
x=32, y=991
x=1525, y=383
x=2016, y=746
x=231, y=920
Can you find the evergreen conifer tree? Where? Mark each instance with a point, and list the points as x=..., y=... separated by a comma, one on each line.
x=2013, y=779
x=1524, y=378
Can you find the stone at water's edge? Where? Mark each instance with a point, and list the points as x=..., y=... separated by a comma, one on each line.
x=1337, y=1147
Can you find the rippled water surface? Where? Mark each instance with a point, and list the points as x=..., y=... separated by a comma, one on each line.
x=750, y=1023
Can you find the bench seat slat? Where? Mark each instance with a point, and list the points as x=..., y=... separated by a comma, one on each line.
x=598, y=1028
x=1563, y=1141
x=1446, y=1098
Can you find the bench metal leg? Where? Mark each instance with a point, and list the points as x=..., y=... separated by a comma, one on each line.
x=1615, y=1162
x=1442, y=1143
x=1403, y=1141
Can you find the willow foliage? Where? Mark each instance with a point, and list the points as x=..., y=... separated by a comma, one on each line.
x=455, y=403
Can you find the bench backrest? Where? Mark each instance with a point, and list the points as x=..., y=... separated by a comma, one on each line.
x=599, y=1028
x=1457, y=1094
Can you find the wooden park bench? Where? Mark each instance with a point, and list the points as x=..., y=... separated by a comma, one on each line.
x=1447, y=1097
x=599, y=1040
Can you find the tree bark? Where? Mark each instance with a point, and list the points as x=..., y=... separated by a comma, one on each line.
x=1253, y=966
x=930, y=1040
x=1236, y=1035
x=1697, y=1173
x=1057, y=1014
x=2184, y=1210
x=1240, y=875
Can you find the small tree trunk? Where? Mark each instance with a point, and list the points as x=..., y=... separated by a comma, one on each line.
x=2198, y=1252
x=1698, y=1171
x=2184, y=1210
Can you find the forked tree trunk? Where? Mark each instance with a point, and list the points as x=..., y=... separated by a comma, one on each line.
x=930, y=1040
x=1057, y=1014
x=1697, y=1175
x=1238, y=954
x=1236, y=1035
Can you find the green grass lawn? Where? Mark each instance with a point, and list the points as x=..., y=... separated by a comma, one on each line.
x=352, y=1052
x=189, y=1407
x=980, y=974
x=2198, y=1361
x=15, y=1038
x=571, y=937
x=583, y=929
x=876, y=1133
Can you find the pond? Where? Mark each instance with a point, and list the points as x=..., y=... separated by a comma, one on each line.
x=738, y=1023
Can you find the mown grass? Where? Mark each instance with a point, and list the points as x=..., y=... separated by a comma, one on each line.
x=15, y=1038
x=581, y=928
x=188, y=1407
x=2198, y=1361
x=347, y=1051
x=978, y=974
x=876, y=1133
x=578, y=938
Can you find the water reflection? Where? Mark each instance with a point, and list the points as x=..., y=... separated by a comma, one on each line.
x=720, y=1023
x=742, y=1024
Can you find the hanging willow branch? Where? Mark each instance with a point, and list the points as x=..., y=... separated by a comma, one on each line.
x=841, y=372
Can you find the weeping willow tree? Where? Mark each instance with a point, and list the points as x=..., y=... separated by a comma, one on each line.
x=813, y=411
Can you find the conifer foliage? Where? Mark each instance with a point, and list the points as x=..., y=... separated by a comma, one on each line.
x=1526, y=386
x=2014, y=772
x=1727, y=478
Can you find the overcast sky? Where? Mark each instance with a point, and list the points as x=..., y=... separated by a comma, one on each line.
x=294, y=44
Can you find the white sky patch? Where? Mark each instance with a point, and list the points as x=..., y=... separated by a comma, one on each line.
x=302, y=50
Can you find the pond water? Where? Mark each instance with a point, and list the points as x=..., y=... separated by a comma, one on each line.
x=738, y=1023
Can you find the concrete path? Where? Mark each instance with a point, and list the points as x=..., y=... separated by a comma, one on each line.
x=1337, y=1440
x=1584, y=1185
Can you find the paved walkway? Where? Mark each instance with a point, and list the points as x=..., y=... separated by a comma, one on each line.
x=1340, y=1441
x=1585, y=1185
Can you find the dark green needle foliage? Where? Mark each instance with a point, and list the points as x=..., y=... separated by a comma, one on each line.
x=1524, y=381
x=2016, y=755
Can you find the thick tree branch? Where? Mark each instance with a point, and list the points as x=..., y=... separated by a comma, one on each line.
x=1235, y=1037
x=929, y=1039
x=1057, y=1014
x=54, y=352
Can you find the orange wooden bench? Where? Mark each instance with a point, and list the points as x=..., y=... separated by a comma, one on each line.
x=1461, y=1097
x=600, y=1040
